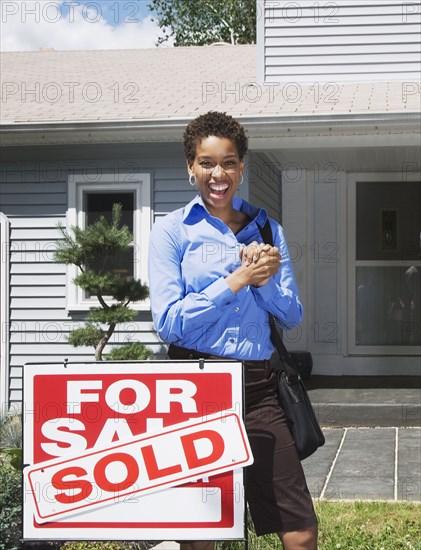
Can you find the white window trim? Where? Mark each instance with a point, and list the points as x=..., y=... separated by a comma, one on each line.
x=141, y=185
x=4, y=313
x=352, y=180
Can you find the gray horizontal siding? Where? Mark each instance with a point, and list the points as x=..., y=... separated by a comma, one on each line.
x=280, y=43
x=33, y=194
x=332, y=70
x=171, y=188
x=32, y=199
x=30, y=291
x=343, y=41
x=40, y=223
x=47, y=314
x=33, y=268
x=320, y=52
x=33, y=209
x=38, y=303
x=163, y=198
x=264, y=185
x=34, y=281
x=335, y=58
x=338, y=15
x=14, y=188
x=324, y=35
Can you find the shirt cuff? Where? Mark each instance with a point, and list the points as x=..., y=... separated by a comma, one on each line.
x=267, y=291
x=220, y=294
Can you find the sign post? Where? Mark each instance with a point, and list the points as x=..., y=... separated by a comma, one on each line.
x=134, y=451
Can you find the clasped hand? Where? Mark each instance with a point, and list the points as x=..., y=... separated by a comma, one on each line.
x=261, y=262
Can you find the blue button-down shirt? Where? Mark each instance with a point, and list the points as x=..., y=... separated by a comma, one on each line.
x=190, y=254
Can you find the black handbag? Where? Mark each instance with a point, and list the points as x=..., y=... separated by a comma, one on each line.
x=292, y=394
x=294, y=400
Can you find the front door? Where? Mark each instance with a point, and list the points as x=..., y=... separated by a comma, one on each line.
x=385, y=266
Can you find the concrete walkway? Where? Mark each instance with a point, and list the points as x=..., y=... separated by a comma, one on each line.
x=366, y=464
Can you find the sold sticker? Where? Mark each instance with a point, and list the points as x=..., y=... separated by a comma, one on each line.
x=145, y=464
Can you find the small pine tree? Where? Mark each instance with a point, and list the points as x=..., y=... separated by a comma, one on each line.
x=90, y=249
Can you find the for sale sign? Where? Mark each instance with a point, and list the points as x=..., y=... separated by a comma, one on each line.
x=150, y=450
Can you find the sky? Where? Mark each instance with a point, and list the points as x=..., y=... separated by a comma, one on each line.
x=28, y=25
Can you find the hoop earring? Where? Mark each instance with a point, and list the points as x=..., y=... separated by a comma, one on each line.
x=242, y=179
x=192, y=182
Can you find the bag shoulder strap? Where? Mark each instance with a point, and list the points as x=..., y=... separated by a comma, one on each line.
x=266, y=232
x=287, y=362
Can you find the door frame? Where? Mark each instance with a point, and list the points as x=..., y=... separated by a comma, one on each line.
x=352, y=179
x=4, y=312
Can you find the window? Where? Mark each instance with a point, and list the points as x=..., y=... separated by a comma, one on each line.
x=385, y=279
x=97, y=204
x=90, y=200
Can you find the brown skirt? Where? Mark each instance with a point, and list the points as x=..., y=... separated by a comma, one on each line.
x=276, y=489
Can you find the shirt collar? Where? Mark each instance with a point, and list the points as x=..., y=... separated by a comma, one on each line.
x=195, y=206
x=195, y=210
x=259, y=215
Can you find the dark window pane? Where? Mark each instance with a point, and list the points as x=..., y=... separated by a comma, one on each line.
x=121, y=264
x=388, y=220
x=100, y=204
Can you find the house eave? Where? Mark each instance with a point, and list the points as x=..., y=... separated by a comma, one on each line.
x=258, y=128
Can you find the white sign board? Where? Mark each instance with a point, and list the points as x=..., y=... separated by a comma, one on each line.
x=137, y=451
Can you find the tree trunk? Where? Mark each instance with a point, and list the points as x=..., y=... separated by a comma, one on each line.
x=103, y=342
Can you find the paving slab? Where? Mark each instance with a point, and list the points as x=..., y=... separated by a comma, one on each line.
x=317, y=466
x=409, y=464
x=365, y=466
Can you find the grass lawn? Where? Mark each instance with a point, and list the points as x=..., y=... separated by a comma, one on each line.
x=355, y=526
x=343, y=526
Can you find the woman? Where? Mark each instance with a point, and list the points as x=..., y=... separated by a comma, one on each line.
x=213, y=283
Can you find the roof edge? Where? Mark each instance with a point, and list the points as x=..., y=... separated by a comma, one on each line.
x=165, y=130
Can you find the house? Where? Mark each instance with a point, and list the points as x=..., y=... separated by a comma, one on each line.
x=333, y=118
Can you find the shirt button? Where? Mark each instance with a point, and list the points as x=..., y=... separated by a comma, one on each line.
x=237, y=309
x=227, y=303
x=231, y=340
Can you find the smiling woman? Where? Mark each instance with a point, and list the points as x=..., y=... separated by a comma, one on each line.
x=213, y=285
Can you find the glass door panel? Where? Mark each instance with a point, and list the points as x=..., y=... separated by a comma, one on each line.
x=387, y=264
x=388, y=306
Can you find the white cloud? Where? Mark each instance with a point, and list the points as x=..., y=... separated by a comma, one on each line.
x=30, y=25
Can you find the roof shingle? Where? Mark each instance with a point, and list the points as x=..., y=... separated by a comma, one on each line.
x=174, y=84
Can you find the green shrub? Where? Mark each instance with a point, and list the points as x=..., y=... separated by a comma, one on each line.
x=10, y=507
x=134, y=351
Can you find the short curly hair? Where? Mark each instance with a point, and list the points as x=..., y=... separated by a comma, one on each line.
x=213, y=123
